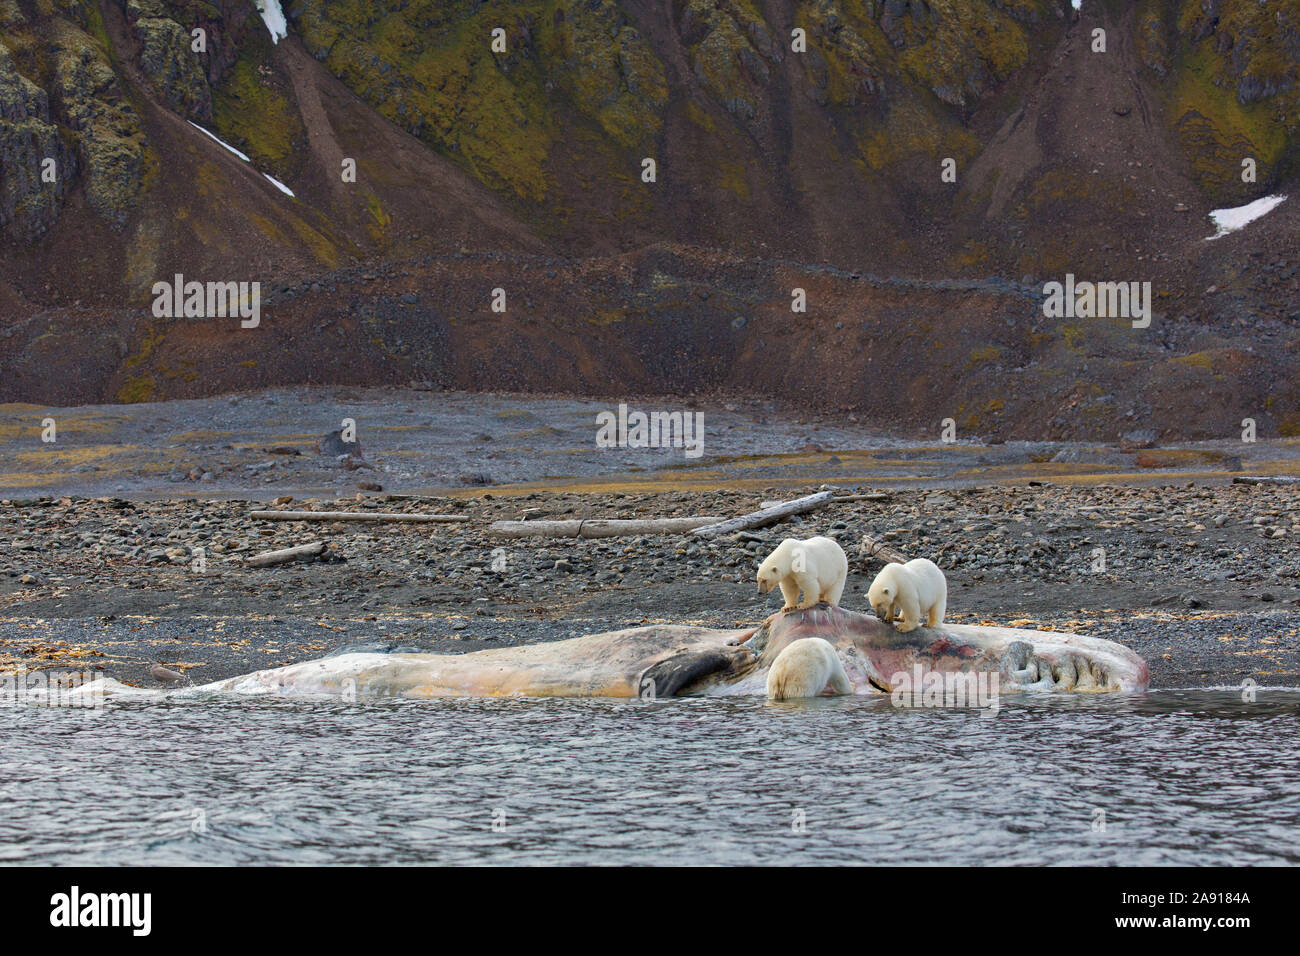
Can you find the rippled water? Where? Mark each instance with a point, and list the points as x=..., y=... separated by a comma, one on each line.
x=1181, y=777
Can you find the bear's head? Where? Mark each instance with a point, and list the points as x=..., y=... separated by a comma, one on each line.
x=775, y=566
x=883, y=591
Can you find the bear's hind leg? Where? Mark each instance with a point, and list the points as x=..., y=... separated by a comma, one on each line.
x=839, y=681
x=937, y=611
x=832, y=594
x=810, y=588
x=911, y=612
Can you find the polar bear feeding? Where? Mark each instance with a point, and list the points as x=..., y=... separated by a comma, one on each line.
x=916, y=590
x=817, y=567
x=804, y=668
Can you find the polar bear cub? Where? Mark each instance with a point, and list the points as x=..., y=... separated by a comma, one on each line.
x=916, y=590
x=804, y=668
x=817, y=567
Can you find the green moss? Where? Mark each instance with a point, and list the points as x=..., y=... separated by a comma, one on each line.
x=1234, y=93
x=983, y=356
x=1073, y=335
x=734, y=178
x=138, y=389
x=250, y=110
x=382, y=220
x=700, y=118
x=1217, y=132
x=912, y=72
x=428, y=68
x=1197, y=360
x=969, y=46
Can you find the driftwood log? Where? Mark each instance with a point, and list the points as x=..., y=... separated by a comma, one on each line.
x=766, y=516
x=596, y=527
x=355, y=516
x=873, y=547
x=865, y=496
x=311, y=550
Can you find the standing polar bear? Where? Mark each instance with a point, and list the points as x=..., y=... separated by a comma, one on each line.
x=914, y=590
x=804, y=668
x=817, y=567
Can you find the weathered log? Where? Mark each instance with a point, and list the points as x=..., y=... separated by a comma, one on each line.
x=867, y=496
x=596, y=527
x=766, y=516
x=355, y=516
x=1265, y=480
x=873, y=547
x=286, y=555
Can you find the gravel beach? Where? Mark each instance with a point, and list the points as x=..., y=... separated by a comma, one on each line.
x=1203, y=580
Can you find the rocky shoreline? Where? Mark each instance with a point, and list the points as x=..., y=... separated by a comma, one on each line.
x=1201, y=579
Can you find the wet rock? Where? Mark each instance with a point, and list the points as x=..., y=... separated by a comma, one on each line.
x=1138, y=439
x=334, y=445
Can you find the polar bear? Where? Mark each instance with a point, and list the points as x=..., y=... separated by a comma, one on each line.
x=804, y=668
x=914, y=590
x=817, y=567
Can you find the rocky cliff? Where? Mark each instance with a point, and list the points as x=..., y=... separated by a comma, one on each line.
x=799, y=141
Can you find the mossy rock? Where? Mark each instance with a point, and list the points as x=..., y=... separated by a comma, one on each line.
x=1153, y=37
x=11, y=15
x=731, y=67
x=175, y=71
x=110, y=140
x=1234, y=93
x=28, y=204
x=614, y=75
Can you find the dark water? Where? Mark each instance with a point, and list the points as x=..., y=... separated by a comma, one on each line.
x=1181, y=777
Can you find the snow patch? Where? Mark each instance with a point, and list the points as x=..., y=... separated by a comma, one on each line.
x=221, y=142
x=279, y=185
x=273, y=17
x=273, y=181
x=1230, y=220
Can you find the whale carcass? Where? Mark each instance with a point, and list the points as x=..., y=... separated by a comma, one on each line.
x=677, y=660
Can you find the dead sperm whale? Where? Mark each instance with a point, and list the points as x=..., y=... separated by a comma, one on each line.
x=678, y=660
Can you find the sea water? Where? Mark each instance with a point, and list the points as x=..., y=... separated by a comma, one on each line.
x=1167, y=777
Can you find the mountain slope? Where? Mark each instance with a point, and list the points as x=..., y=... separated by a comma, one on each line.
x=522, y=169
